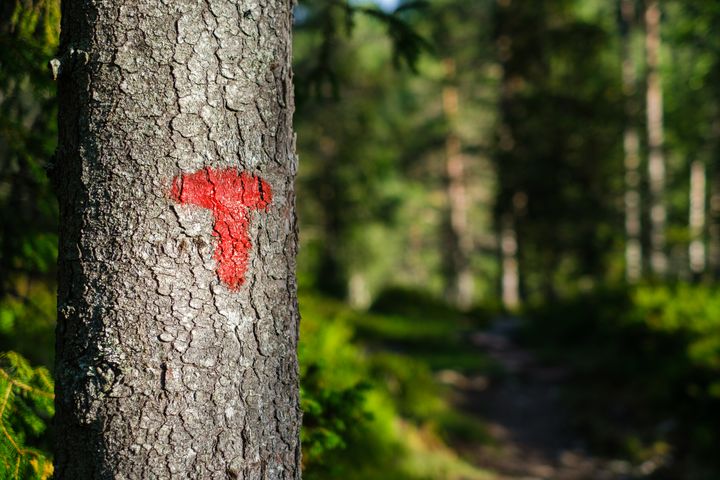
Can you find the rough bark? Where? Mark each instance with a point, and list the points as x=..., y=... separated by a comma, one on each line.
x=460, y=285
x=655, y=133
x=163, y=370
x=631, y=145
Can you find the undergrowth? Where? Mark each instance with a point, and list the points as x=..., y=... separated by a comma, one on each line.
x=372, y=407
x=646, y=364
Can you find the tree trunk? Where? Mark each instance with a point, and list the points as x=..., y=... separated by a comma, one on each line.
x=656, y=155
x=713, y=250
x=697, y=219
x=714, y=224
x=177, y=316
x=510, y=269
x=631, y=144
x=460, y=288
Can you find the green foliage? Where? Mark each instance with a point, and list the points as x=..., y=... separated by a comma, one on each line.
x=407, y=44
x=29, y=31
x=27, y=321
x=370, y=411
x=330, y=24
x=28, y=212
x=26, y=406
x=354, y=177
x=328, y=415
x=34, y=19
x=340, y=434
x=416, y=304
x=657, y=349
x=540, y=122
x=374, y=211
x=557, y=147
x=421, y=326
x=332, y=395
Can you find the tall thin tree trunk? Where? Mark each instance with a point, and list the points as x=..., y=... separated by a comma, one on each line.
x=713, y=215
x=358, y=291
x=714, y=224
x=713, y=254
x=510, y=268
x=656, y=155
x=461, y=285
x=631, y=144
x=177, y=317
x=697, y=218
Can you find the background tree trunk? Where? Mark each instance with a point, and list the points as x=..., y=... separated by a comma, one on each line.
x=697, y=218
x=713, y=207
x=163, y=369
x=631, y=145
x=510, y=270
x=460, y=285
x=713, y=251
x=656, y=155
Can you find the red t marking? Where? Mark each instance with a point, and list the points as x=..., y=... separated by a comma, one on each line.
x=231, y=196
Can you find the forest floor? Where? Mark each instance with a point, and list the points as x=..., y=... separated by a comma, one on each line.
x=529, y=429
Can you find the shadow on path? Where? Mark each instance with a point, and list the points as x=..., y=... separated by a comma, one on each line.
x=529, y=427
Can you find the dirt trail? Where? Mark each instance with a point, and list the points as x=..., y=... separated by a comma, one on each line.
x=531, y=435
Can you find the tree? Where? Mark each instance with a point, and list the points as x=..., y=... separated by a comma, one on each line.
x=556, y=147
x=177, y=316
x=351, y=123
x=655, y=133
x=460, y=286
x=631, y=146
x=28, y=212
x=696, y=218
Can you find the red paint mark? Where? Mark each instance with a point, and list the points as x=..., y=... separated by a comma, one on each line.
x=231, y=196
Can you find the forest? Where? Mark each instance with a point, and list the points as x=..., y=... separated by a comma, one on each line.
x=509, y=238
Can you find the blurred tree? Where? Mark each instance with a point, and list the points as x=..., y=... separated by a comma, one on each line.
x=696, y=218
x=28, y=239
x=714, y=200
x=690, y=122
x=631, y=145
x=331, y=23
x=28, y=211
x=556, y=148
x=460, y=246
x=655, y=140
x=165, y=367
x=351, y=148
x=508, y=252
x=693, y=118
x=458, y=134
x=350, y=123
x=468, y=95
